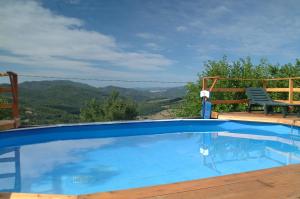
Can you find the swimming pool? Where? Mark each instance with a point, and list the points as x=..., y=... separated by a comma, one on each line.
x=88, y=158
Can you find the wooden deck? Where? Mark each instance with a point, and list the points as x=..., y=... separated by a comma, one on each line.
x=8, y=124
x=280, y=182
x=258, y=117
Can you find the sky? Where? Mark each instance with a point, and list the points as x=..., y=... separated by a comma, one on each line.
x=157, y=40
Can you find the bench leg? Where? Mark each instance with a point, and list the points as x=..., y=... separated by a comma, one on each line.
x=249, y=108
x=298, y=111
x=266, y=109
x=284, y=111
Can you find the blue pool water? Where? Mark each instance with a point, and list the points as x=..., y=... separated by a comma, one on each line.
x=94, y=158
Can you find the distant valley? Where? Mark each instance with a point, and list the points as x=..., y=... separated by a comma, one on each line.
x=60, y=101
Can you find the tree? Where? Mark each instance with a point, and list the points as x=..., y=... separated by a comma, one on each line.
x=112, y=108
x=4, y=113
x=242, y=68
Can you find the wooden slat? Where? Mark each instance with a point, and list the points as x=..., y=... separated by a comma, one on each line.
x=228, y=90
x=277, y=89
x=3, y=74
x=5, y=90
x=296, y=90
x=6, y=106
x=229, y=101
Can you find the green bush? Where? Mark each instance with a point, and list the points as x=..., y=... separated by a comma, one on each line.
x=4, y=113
x=242, y=68
x=112, y=108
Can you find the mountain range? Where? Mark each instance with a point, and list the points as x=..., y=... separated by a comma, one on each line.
x=60, y=101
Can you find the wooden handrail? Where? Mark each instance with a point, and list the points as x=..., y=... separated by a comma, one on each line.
x=251, y=79
x=3, y=74
x=13, y=77
x=214, y=79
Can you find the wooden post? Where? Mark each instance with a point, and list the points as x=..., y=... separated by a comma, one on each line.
x=213, y=84
x=204, y=81
x=291, y=90
x=264, y=84
x=13, y=77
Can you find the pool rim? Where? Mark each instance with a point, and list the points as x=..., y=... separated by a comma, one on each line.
x=139, y=121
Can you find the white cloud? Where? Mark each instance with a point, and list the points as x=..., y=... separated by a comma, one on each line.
x=34, y=165
x=269, y=30
x=153, y=46
x=150, y=36
x=37, y=37
x=181, y=28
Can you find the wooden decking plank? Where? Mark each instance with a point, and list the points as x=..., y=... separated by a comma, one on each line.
x=259, y=117
x=34, y=196
x=230, y=186
x=262, y=187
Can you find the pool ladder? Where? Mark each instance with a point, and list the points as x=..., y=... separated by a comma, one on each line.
x=10, y=181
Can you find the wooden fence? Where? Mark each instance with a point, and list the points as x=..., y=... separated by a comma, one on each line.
x=13, y=89
x=209, y=83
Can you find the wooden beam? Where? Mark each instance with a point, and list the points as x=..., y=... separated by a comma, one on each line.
x=6, y=106
x=213, y=84
x=5, y=90
x=291, y=94
x=229, y=101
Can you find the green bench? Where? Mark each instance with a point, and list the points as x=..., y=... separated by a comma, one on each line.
x=260, y=97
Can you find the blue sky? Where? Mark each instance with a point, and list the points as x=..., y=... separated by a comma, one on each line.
x=165, y=40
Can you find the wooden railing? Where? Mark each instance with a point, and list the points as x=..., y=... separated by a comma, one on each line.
x=209, y=83
x=13, y=89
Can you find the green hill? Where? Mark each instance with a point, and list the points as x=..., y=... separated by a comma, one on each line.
x=60, y=101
